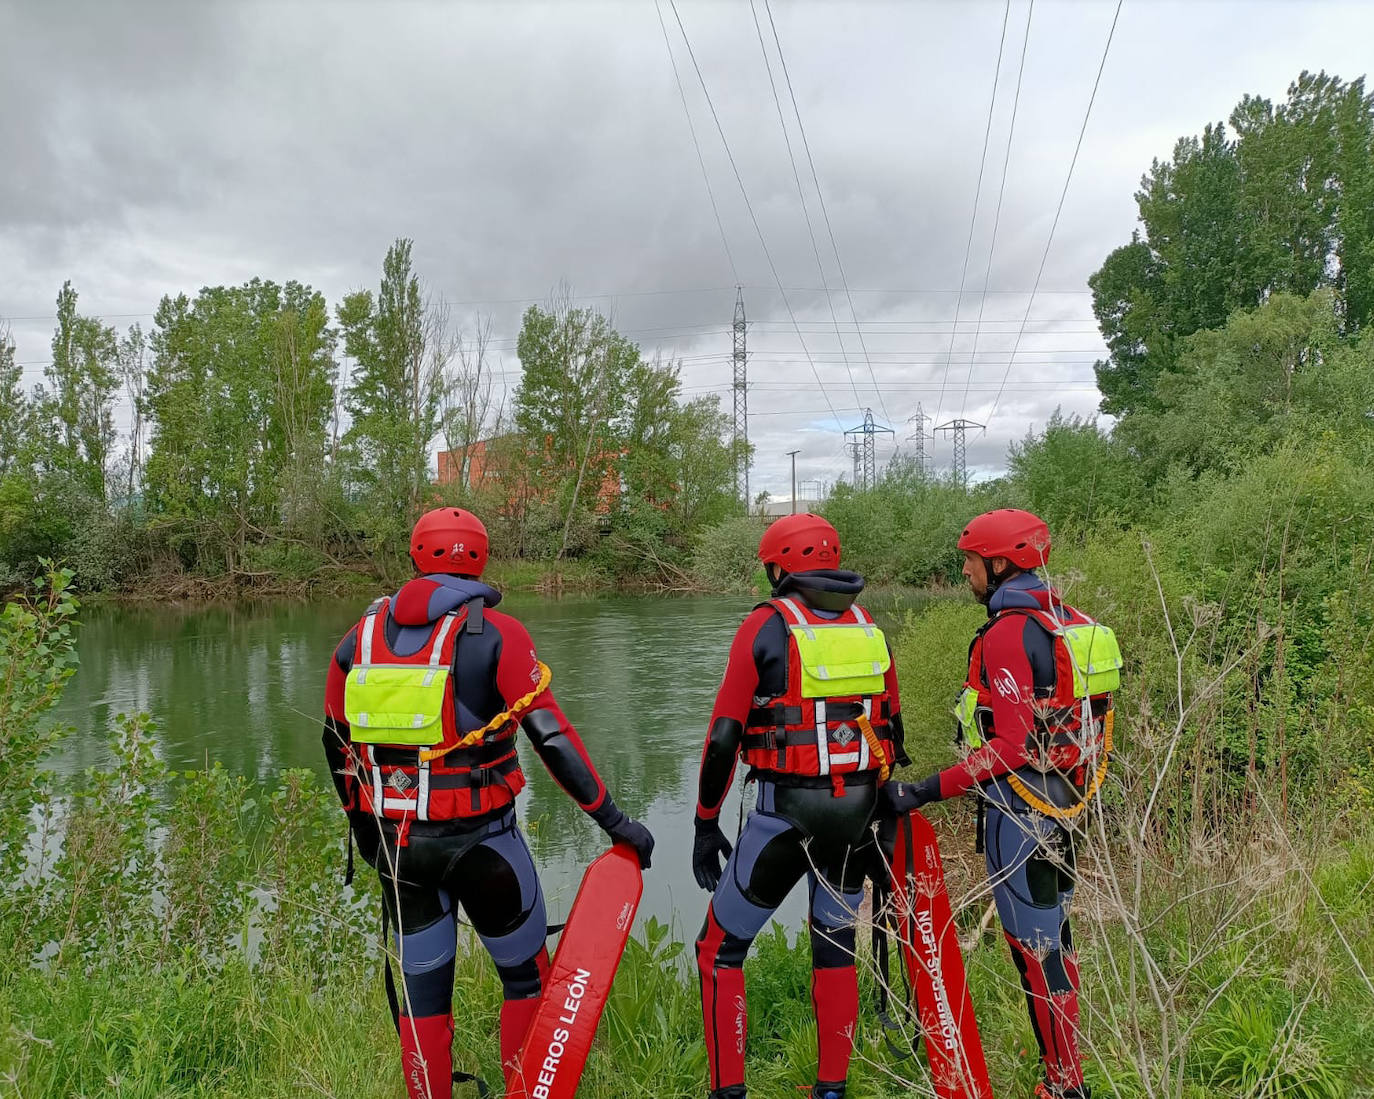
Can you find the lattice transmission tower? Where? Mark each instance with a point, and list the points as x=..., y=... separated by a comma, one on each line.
x=741, y=391
x=865, y=452
x=959, y=429
x=918, y=438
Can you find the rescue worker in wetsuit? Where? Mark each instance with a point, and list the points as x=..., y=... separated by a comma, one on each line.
x=422, y=704
x=810, y=699
x=1030, y=759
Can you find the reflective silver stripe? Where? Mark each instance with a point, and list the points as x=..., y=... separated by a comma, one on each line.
x=865, y=762
x=822, y=740
x=362, y=717
x=862, y=617
x=840, y=759
x=378, y=795
x=436, y=654
x=799, y=617
x=369, y=624
x=418, y=721
x=399, y=803
x=794, y=609
x=422, y=798
x=440, y=637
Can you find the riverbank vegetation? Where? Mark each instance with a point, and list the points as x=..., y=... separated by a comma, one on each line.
x=275, y=449
x=195, y=943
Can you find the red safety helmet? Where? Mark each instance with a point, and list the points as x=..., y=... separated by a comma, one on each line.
x=1020, y=537
x=449, y=540
x=799, y=543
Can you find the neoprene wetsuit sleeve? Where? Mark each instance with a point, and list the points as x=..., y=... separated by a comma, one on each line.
x=550, y=732
x=337, y=735
x=1013, y=696
x=729, y=716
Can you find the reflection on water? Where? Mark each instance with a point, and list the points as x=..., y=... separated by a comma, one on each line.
x=244, y=686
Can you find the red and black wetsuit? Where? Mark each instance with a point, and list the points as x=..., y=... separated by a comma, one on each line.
x=480, y=862
x=799, y=829
x=1030, y=856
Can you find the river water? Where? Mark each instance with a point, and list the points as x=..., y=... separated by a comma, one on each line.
x=244, y=686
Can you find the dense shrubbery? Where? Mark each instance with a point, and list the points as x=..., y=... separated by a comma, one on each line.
x=726, y=555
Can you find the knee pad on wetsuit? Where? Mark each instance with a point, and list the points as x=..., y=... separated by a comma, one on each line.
x=523, y=938
x=524, y=980
x=426, y=958
x=832, y=905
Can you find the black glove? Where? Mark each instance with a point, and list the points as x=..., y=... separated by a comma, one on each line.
x=707, y=848
x=902, y=797
x=623, y=829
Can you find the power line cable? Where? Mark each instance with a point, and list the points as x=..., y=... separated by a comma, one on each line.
x=977, y=196
x=1087, y=114
x=820, y=195
x=749, y=206
x=536, y=299
x=1001, y=194
x=701, y=161
x=801, y=194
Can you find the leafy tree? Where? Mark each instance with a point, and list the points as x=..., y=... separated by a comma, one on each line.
x=393, y=396
x=82, y=373
x=133, y=369
x=14, y=406
x=1238, y=390
x=1284, y=207
x=467, y=395
x=237, y=397
x=676, y=467
x=301, y=377
x=1072, y=473
x=577, y=371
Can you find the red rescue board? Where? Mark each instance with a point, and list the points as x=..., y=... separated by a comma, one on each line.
x=934, y=964
x=555, y=1049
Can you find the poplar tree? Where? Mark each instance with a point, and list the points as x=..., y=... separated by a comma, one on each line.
x=1286, y=205
x=393, y=396
x=81, y=403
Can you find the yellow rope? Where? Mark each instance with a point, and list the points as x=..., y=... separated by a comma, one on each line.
x=1042, y=806
x=518, y=707
x=875, y=746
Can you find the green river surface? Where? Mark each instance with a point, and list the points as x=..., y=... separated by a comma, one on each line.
x=244, y=686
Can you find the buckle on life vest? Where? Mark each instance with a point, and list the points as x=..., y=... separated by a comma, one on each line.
x=837, y=785
x=403, y=831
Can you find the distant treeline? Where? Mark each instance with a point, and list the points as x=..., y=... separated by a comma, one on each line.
x=270, y=442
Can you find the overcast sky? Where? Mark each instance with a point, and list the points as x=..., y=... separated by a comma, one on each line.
x=157, y=148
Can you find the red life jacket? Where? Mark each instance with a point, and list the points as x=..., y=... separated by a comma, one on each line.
x=1069, y=731
x=801, y=737
x=398, y=782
